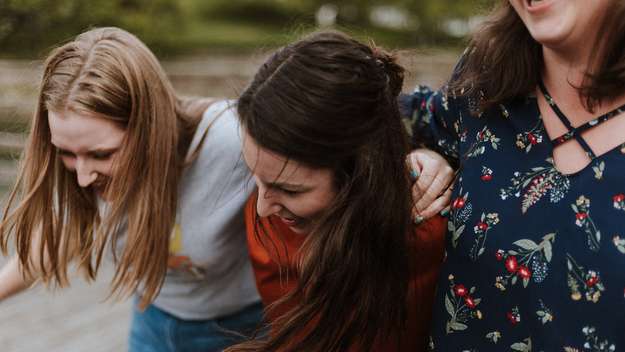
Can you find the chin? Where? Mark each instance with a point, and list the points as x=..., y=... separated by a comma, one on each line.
x=549, y=37
x=300, y=230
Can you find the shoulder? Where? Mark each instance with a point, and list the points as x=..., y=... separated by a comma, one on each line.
x=217, y=140
x=219, y=128
x=221, y=114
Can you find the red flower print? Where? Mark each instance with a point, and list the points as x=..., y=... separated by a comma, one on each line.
x=482, y=226
x=581, y=216
x=592, y=281
x=469, y=302
x=512, y=318
x=458, y=203
x=499, y=255
x=460, y=290
x=524, y=272
x=511, y=264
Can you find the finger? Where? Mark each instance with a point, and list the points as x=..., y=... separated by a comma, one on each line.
x=416, y=216
x=416, y=195
x=437, y=206
x=414, y=166
x=438, y=186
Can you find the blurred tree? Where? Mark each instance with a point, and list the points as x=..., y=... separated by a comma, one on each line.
x=27, y=27
x=32, y=25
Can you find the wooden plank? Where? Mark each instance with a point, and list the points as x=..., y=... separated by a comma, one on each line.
x=70, y=320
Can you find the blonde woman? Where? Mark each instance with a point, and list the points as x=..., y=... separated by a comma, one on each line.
x=116, y=160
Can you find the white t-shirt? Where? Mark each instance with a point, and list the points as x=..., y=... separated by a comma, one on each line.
x=210, y=274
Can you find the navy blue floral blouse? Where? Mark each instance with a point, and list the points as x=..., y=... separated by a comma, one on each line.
x=535, y=259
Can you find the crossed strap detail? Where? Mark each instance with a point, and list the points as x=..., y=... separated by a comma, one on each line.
x=575, y=132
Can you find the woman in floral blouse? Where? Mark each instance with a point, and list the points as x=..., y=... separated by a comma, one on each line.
x=534, y=115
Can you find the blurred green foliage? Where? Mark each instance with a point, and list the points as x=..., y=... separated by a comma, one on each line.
x=31, y=27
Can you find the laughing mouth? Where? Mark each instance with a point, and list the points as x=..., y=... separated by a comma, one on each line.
x=531, y=3
x=291, y=220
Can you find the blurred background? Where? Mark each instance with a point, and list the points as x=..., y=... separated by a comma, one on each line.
x=208, y=48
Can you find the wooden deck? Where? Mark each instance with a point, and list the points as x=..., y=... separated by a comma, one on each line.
x=70, y=320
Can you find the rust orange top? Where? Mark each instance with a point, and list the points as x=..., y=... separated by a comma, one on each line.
x=276, y=246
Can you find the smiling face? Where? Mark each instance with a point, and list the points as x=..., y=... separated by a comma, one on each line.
x=562, y=23
x=87, y=145
x=297, y=194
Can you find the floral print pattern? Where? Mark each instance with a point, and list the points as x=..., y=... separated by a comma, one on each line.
x=531, y=186
x=583, y=220
x=527, y=254
x=461, y=306
x=583, y=283
x=461, y=210
x=481, y=232
x=534, y=258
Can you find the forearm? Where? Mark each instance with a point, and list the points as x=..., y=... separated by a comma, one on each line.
x=11, y=280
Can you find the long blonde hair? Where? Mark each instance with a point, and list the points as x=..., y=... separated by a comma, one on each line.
x=110, y=73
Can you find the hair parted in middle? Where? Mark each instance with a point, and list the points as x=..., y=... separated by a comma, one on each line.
x=105, y=73
x=329, y=101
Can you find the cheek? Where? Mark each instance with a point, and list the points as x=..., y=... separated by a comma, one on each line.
x=69, y=162
x=106, y=168
x=311, y=206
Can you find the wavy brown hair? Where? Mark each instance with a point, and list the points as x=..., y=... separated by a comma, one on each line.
x=111, y=74
x=328, y=101
x=503, y=61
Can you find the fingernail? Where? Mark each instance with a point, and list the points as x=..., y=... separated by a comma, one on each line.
x=414, y=174
x=418, y=220
x=445, y=212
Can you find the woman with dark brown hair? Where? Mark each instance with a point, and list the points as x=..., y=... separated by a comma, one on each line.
x=332, y=243
x=534, y=115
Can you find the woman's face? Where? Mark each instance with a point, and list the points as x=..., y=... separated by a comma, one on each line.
x=297, y=194
x=87, y=145
x=562, y=23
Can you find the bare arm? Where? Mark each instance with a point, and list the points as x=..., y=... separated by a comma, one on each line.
x=11, y=280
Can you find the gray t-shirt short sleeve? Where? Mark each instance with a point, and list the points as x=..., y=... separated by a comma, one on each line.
x=210, y=274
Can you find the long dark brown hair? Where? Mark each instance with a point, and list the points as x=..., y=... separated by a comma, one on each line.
x=503, y=61
x=328, y=101
x=111, y=74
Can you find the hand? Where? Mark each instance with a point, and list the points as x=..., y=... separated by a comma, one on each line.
x=431, y=192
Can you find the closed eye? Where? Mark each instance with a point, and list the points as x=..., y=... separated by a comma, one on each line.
x=289, y=192
x=65, y=153
x=101, y=156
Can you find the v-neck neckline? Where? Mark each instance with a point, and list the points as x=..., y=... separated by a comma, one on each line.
x=551, y=147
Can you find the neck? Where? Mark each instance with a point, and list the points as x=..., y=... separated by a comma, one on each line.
x=567, y=64
x=562, y=74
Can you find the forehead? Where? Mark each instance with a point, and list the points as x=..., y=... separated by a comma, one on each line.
x=77, y=132
x=270, y=167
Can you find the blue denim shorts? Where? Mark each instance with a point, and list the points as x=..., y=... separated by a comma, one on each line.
x=154, y=330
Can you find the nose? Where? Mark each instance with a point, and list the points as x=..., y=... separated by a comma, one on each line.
x=85, y=173
x=267, y=203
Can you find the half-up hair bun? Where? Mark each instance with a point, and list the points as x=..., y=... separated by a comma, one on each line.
x=394, y=72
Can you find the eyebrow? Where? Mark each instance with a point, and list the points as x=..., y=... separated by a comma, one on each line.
x=92, y=151
x=298, y=187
